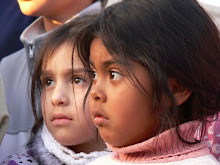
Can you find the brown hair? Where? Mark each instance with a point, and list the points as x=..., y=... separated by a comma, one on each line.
x=172, y=39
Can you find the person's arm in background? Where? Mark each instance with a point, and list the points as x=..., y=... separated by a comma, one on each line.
x=4, y=117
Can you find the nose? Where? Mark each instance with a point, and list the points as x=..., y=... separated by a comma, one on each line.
x=60, y=96
x=97, y=92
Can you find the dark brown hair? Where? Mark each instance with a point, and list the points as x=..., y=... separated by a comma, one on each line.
x=172, y=39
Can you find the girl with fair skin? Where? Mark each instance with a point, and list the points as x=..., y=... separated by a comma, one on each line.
x=155, y=80
x=15, y=69
x=64, y=133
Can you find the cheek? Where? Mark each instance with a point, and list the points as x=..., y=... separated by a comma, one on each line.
x=87, y=109
x=88, y=117
x=84, y=115
x=134, y=108
x=44, y=106
x=79, y=95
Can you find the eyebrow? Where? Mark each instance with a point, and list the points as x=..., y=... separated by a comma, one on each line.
x=67, y=72
x=105, y=63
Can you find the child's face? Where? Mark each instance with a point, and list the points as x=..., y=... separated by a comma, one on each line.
x=119, y=110
x=62, y=107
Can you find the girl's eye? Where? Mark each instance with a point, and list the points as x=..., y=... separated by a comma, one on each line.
x=95, y=75
x=48, y=82
x=78, y=80
x=115, y=75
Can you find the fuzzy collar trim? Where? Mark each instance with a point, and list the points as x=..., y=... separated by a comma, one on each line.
x=46, y=150
x=66, y=155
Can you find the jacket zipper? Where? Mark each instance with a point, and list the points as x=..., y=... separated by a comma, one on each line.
x=31, y=50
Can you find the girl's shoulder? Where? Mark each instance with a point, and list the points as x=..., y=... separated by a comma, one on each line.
x=17, y=159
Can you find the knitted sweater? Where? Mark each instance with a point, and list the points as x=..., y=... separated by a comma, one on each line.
x=165, y=149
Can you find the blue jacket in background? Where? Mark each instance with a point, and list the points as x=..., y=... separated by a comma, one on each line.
x=12, y=24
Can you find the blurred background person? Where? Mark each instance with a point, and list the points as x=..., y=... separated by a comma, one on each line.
x=213, y=8
x=13, y=22
x=4, y=117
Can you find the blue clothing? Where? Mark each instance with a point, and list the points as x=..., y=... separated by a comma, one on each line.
x=12, y=23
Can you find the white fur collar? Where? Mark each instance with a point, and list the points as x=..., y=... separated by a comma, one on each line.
x=66, y=155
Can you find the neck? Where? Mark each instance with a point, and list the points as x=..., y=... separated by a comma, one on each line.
x=51, y=22
x=89, y=147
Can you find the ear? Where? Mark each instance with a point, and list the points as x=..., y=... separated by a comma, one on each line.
x=181, y=93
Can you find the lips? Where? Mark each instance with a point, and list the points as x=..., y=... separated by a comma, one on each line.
x=60, y=116
x=61, y=119
x=99, y=118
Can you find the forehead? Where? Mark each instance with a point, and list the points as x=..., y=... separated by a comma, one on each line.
x=98, y=52
x=62, y=55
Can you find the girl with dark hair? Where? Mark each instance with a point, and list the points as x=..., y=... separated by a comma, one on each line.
x=156, y=80
x=63, y=133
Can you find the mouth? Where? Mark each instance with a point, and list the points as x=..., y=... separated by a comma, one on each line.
x=61, y=120
x=99, y=119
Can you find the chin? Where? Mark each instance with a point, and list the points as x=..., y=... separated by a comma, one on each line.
x=115, y=142
x=64, y=142
x=70, y=141
x=28, y=10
